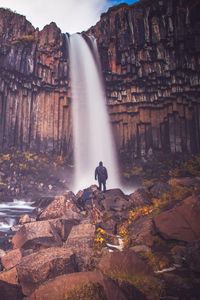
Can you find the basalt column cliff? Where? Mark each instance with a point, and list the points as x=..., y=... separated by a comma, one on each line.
x=151, y=62
x=34, y=97
x=150, y=55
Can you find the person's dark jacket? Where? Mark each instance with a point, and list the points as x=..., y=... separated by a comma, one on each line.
x=101, y=173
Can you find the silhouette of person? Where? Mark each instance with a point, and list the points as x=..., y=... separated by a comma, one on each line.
x=102, y=175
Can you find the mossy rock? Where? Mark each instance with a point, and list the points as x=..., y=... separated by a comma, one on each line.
x=90, y=291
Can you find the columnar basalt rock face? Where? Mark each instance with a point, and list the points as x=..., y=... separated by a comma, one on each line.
x=34, y=97
x=150, y=55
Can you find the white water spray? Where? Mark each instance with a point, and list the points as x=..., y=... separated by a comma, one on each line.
x=93, y=141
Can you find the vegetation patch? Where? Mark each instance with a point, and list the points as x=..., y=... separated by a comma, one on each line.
x=90, y=291
x=150, y=286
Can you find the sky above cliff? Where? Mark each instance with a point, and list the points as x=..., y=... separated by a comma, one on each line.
x=70, y=15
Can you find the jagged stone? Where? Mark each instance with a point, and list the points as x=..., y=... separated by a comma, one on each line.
x=11, y=259
x=61, y=206
x=36, y=235
x=43, y=265
x=10, y=276
x=81, y=242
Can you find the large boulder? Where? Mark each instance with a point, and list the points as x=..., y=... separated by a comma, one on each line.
x=80, y=241
x=61, y=206
x=36, y=235
x=181, y=222
x=93, y=285
x=126, y=262
x=36, y=268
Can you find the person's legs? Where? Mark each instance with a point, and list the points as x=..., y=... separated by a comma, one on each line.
x=104, y=186
x=100, y=184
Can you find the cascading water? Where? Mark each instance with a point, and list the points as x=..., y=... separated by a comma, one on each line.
x=93, y=141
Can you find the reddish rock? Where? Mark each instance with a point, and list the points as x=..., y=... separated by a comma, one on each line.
x=181, y=222
x=141, y=232
x=36, y=235
x=11, y=259
x=10, y=276
x=126, y=262
x=64, y=285
x=38, y=267
x=61, y=206
x=80, y=241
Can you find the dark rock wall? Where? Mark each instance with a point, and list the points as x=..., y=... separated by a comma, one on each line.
x=150, y=55
x=34, y=86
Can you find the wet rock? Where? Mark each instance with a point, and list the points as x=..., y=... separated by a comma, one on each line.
x=11, y=259
x=61, y=206
x=181, y=222
x=76, y=284
x=126, y=262
x=43, y=265
x=81, y=241
x=36, y=235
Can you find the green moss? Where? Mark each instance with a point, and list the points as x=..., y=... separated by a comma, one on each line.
x=90, y=291
x=150, y=286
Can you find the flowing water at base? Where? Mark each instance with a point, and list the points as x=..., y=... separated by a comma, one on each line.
x=10, y=212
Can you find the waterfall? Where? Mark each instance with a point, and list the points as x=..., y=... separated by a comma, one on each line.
x=93, y=140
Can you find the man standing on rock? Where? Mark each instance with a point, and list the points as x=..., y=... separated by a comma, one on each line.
x=102, y=175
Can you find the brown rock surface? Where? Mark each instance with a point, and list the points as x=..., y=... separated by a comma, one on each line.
x=63, y=285
x=126, y=262
x=141, y=232
x=38, y=267
x=61, y=206
x=181, y=222
x=36, y=235
x=10, y=276
x=80, y=241
x=11, y=259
